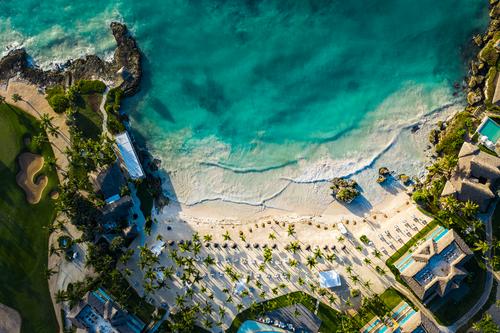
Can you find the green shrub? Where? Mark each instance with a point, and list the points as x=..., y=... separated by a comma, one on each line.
x=87, y=87
x=489, y=54
x=115, y=126
x=59, y=102
x=453, y=137
x=490, y=83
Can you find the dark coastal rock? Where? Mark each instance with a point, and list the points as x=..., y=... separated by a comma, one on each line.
x=124, y=70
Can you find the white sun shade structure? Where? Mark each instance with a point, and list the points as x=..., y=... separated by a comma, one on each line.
x=128, y=156
x=329, y=279
x=158, y=247
x=342, y=228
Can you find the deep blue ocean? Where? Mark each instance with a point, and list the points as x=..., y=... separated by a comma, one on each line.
x=240, y=98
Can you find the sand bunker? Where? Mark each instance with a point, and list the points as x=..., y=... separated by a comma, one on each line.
x=10, y=320
x=30, y=164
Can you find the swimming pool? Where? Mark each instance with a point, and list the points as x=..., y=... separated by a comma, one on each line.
x=491, y=130
x=251, y=326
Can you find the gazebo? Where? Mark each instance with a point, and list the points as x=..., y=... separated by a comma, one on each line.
x=329, y=279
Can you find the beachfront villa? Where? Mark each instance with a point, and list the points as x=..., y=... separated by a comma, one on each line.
x=128, y=156
x=402, y=319
x=475, y=177
x=435, y=267
x=97, y=312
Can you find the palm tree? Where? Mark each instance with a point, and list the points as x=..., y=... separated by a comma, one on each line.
x=486, y=325
x=226, y=236
x=311, y=262
x=348, y=269
x=272, y=236
x=207, y=323
x=46, y=121
x=209, y=260
x=291, y=230
x=470, y=208
x=61, y=296
x=340, y=238
x=292, y=263
x=242, y=237
x=367, y=261
x=207, y=238
x=179, y=301
x=317, y=253
x=16, y=98
x=354, y=279
x=331, y=257
x=481, y=246
x=268, y=255
x=377, y=254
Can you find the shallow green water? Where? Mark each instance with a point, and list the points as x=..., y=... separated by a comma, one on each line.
x=240, y=96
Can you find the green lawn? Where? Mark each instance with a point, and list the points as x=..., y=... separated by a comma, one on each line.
x=23, y=239
x=88, y=118
x=330, y=318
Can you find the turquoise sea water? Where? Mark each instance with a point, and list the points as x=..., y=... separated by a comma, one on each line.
x=244, y=99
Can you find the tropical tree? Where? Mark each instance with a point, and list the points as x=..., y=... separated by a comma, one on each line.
x=486, y=325
x=481, y=246
x=311, y=262
x=272, y=236
x=208, y=260
x=16, y=98
x=291, y=230
x=226, y=236
x=292, y=263
x=268, y=255
x=207, y=238
x=469, y=209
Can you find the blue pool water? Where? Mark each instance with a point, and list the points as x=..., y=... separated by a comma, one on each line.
x=407, y=317
x=251, y=326
x=407, y=259
x=491, y=130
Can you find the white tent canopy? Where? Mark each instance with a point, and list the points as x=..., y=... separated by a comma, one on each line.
x=128, y=156
x=329, y=279
x=158, y=247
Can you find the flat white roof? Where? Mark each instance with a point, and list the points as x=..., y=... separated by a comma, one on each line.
x=129, y=156
x=329, y=279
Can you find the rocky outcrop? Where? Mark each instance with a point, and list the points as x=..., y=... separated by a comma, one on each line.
x=124, y=70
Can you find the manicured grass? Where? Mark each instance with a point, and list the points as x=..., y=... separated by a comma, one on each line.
x=453, y=306
x=330, y=318
x=23, y=238
x=403, y=249
x=88, y=118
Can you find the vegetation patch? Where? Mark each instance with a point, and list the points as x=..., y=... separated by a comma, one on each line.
x=452, y=138
x=23, y=227
x=331, y=319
